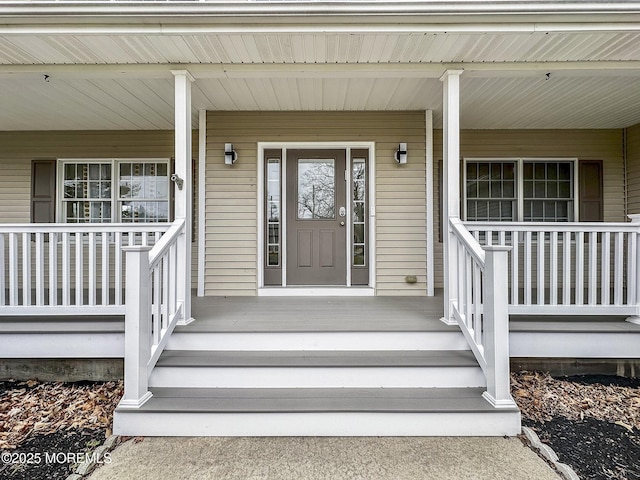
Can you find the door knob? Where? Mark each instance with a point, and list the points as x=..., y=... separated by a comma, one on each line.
x=342, y=224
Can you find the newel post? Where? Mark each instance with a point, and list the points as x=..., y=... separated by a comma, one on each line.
x=137, y=326
x=635, y=281
x=496, y=326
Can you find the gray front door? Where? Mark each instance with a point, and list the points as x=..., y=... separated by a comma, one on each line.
x=316, y=217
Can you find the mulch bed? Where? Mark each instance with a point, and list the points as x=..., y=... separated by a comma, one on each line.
x=51, y=456
x=592, y=422
x=45, y=428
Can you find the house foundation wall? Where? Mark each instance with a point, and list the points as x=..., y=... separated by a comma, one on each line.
x=62, y=369
x=579, y=366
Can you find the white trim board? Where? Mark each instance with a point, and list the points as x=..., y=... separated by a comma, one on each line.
x=62, y=345
x=320, y=291
x=202, y=195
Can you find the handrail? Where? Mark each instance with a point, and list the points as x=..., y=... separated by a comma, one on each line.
x=161, y=247
x=479, y=304
x=153, y=309
x=552, y=226
x=468, y=240
x=83, y=227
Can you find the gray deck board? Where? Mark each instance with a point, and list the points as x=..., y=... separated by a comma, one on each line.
x=299, y=314
x=436, y=358
x=254, y=400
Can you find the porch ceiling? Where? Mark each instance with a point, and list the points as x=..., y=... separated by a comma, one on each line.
x=526, y=100
x=117, y=77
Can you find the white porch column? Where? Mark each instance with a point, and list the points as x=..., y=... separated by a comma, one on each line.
x=183, y=197
x=430, y=203
x=202, y=165
x=451, y=180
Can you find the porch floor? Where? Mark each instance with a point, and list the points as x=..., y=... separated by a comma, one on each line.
x=308, y=314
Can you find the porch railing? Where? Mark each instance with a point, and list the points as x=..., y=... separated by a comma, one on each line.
x=479, y=304
x=154, y=307
x=568, y=268
x=62, y=268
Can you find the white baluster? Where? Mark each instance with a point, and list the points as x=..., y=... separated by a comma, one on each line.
x=515, y=267
x=566, y=268
x=13, y=269
x=618, y=268
x=39, y=268
x=553, y=269
x=66, y=269
x=53, y=268
x=540, y=275
x=118, y=265
x=26, y=268
x=579, y=268
x=105, y=268
x=79, y=269
x=527, y=268
x=605, y=271
x=92, y=268
x=593, y=268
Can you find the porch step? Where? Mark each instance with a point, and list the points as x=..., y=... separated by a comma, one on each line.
x=450, y=339
x=317, y=412
x=317, y=369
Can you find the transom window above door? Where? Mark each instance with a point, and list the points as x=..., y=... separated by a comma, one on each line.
x=114, y=190
x=530, y=190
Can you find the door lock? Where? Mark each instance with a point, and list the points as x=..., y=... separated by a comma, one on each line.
x=342, y=212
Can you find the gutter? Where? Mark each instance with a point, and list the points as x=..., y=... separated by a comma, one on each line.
x=276, y=8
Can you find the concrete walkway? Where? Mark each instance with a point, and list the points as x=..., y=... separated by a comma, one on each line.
x=323, y=458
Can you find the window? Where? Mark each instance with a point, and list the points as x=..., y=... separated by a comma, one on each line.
x=359, y=178
x=102, y=191
x=533, y=190
x=273, y=212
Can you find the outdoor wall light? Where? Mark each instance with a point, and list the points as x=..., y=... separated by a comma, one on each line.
x=230, y=155
x=401, y=154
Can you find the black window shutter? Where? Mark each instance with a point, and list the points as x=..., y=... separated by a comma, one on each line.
x=591, y=198
x=43, y=191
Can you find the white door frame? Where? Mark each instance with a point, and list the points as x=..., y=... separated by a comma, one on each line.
x=291, y=291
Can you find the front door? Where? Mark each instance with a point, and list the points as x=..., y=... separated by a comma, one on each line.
x=316, y=217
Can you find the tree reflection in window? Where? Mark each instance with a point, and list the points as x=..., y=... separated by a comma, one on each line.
x=316, y=188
